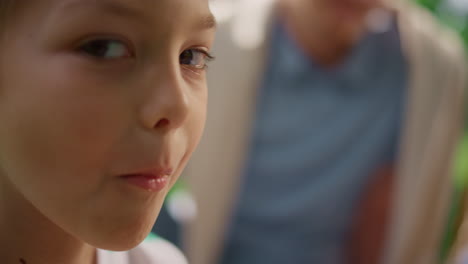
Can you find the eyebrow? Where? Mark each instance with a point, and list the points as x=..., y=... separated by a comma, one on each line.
x=115, y=8
x=126, y=10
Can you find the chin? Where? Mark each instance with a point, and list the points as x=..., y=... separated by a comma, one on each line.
x=124, y=236
x=122, y=240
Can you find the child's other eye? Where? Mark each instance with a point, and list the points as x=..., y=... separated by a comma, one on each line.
x=106, y=49
x=196, y=58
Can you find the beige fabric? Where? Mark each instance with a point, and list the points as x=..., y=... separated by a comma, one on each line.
x=431, y=128
x=434, y=118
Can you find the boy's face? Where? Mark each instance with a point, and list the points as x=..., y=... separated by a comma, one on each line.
x=99, y=99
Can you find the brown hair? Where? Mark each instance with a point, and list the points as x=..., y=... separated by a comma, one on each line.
x=6, y=8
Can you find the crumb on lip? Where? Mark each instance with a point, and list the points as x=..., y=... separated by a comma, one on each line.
x=22, y=261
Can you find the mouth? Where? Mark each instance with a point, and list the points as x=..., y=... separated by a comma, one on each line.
x=154, y=180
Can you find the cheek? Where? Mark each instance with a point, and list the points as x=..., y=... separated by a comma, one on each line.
x=198, y=117
x=192, y=130
x=57, y=125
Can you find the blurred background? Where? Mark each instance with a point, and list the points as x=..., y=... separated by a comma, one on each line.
x=454, y=13
x=180, y=206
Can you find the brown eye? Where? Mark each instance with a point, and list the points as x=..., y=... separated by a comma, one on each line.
x=196, y=58
x=105, y=49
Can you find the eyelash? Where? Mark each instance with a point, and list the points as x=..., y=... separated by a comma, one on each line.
x=86, y=47
x=98, y=49
x=206, y=59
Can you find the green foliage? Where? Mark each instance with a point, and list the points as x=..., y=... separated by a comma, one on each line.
x=449, y=15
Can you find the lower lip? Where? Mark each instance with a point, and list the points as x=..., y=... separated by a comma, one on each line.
x=148, y=183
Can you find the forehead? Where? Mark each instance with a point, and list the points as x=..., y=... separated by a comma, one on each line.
x=161, y=8
x=141, y=6
x=169, y=11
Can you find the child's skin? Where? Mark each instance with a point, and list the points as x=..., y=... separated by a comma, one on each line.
x=90, y=91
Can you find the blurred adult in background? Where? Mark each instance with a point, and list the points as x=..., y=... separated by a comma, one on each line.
x=332, y=125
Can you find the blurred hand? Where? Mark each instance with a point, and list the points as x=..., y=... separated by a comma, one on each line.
x=371, y=219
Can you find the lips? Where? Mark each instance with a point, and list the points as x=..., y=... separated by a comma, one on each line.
x=154, y=180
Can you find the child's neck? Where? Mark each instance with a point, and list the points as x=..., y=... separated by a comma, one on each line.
x=29, y=237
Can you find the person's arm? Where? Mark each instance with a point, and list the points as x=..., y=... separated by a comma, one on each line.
x=367, y=237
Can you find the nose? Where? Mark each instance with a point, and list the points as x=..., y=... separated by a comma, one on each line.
x=167, y=104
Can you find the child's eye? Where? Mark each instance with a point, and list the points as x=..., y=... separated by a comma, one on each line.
x=107, y=49
x=196, y=58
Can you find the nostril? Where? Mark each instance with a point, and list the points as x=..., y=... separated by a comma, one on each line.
x=164, y=122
